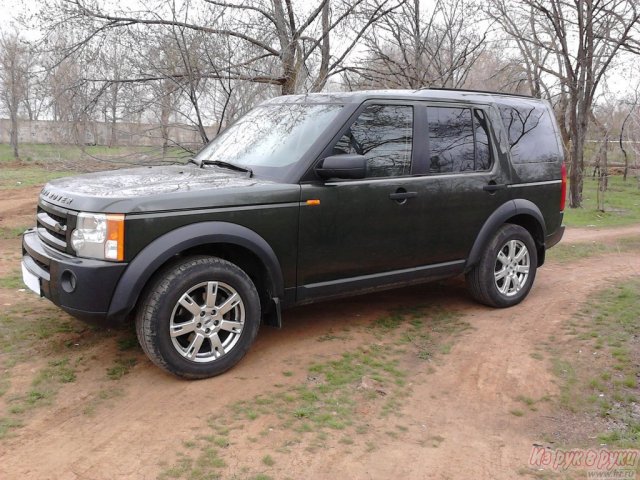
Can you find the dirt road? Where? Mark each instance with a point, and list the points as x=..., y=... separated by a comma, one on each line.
x=456, y=423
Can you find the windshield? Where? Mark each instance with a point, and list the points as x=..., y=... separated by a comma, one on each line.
x=270, y=139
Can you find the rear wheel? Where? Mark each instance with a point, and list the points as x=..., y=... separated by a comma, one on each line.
x=505, y=273
x=199, y=317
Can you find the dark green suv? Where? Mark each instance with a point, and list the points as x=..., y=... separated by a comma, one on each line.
x=304, y=198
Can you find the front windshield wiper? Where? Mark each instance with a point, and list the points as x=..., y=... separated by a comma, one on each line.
x=221, y=163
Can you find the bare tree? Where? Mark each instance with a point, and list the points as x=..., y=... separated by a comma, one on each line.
x=14, y=78
x=268, y=33
x=577, y=43
x=416, y=46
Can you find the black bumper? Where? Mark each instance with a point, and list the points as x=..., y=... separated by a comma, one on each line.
x=80, y=286
x=555, y=237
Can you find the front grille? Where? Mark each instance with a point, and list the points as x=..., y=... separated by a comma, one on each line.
x=53, y=225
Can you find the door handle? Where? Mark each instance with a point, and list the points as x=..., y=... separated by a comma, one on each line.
x=494, y=187
x=402, y=195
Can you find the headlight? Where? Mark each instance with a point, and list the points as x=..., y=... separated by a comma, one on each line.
x=99, y=235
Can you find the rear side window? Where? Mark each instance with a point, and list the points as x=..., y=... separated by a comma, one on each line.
x=531, y=132
x=384, y=135
x=458, y=140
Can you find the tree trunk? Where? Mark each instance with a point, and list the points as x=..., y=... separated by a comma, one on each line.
x=13, y=135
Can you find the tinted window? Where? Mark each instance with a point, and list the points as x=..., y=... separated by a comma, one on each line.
x=383, y=134
x=459, y=142
x=532, y=136
x=483, y=147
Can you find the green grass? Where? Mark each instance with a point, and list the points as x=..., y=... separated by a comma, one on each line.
x=325, y=403
x=568, y=252
x=602, y=382
x=622, y=204
x=121, y=367
x=57, y=156
x=8, y=233
x=22, y=330
x=12, y=281
x=44, y=388
x=28, y=176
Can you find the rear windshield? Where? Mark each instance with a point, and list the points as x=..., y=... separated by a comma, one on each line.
x=530, y=127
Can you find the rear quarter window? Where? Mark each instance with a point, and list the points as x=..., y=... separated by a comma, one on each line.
x=531, y=131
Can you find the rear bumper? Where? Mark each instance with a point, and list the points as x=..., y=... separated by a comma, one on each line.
x=555, y=237
x=82, y=287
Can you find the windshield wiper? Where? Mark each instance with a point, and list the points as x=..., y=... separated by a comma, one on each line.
x=221, y=163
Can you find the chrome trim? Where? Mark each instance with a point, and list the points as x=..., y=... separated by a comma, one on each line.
x=533, y=184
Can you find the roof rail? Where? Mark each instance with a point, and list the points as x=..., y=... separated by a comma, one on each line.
x=475, y=91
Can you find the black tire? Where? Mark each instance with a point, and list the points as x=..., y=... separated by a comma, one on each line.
x=183, y=299
x=483, y=282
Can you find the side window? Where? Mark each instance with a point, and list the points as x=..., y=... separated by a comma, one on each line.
x=483, y=147
x=384, y=135
x=458, y=140
x=532, y=136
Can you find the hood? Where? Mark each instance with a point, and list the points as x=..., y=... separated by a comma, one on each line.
x=175, y=187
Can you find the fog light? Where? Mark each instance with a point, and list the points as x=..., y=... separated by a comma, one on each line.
x=68, y=281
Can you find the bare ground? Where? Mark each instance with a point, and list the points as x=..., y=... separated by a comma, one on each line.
x=456, y=422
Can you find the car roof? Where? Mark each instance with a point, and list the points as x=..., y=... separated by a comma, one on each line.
x=440, y=94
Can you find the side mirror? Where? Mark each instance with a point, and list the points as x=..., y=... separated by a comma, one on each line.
x=346, y=166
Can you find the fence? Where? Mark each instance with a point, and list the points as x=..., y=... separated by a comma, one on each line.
x=100, y=133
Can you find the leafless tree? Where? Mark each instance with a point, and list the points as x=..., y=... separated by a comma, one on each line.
x=14, y=78
x=577, y=43
x=419, y=46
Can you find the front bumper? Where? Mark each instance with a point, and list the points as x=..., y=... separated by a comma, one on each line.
x=82, y=287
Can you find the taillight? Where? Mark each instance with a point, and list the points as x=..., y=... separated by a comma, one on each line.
x=563, y=190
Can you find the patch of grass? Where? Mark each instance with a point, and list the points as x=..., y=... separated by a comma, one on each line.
x=121, y=368
x=516, y=413
x=7, y=424
x=23, y=329
x=568, y=252
x=8, y=233
x=622, y=204
x=27, y=177
x=611, y=320
x=86, y=157
x=329, y=397
x=44, y=388
x=12, y=281
x=128, y=343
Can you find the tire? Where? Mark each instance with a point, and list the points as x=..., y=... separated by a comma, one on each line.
x=507, y=268
x=198, y=317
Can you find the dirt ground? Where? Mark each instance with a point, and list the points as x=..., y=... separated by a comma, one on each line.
x=454, y=424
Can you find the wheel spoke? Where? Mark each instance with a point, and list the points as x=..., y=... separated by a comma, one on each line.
x=229, y=304
x=516, y=283
x=194, y=346
x=521, y=254
x=212, y=293
x=188, y=304
x=512, y=249
x=216, y=344
x=522, y=269
x=501, y=274
x=502, y=258
x=179, y=329
x=506, y=285
x=229, y=326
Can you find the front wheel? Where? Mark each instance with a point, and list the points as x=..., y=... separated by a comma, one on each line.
x=199, y=317
x=506, y=271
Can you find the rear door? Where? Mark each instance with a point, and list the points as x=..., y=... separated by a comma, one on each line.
x=467, y=179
